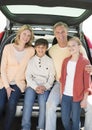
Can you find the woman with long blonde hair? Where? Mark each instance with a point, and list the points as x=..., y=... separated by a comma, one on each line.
x=13, y=64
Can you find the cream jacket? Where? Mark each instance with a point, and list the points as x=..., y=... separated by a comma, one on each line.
x=11, y=69
x=40, y=71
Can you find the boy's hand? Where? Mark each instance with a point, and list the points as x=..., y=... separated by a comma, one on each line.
x=40, y=89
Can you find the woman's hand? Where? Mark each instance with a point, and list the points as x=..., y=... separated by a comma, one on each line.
x=9, y=90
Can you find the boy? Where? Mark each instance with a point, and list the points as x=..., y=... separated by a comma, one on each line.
x=40, y=75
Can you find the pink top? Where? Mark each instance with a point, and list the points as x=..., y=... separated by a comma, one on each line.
x=11, y=69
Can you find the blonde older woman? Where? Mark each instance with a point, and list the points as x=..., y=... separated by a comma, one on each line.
x=14, y=61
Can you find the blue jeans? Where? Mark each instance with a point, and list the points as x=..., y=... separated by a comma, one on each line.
x=70, y=110
x=11, y=105
x=51, y=107
x=29, y=100
x=3, y=97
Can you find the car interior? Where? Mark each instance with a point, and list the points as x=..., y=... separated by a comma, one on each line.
x=42, y=15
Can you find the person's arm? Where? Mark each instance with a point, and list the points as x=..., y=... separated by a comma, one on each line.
x=84, y=101
x=86, y=81
x=29, y=76
x=30, y=79
x=51, y=76
x=88, y=68
x=4, y=64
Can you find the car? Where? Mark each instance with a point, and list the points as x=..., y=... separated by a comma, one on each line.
x=42, y=15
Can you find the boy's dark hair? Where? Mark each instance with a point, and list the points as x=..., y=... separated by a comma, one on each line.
x=41, y=41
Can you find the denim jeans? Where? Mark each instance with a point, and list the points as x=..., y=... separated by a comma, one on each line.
x=71, y=110
x=3, y=97
x=29, y=100
x=88, y=114
x=11, y=105
x=51, y=107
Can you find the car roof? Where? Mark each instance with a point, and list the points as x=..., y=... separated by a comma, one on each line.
x=45, y=18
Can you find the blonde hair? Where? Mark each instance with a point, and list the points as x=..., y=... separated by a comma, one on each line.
x=24, y=27
x=60, y=24
x=76, y=39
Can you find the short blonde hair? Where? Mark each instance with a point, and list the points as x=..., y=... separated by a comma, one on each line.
x=76, y=39
x=25, y=27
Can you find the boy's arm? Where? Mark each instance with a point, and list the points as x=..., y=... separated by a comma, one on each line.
x=51, y=77
x=29, y=77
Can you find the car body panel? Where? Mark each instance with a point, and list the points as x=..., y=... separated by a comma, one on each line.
x=46, y=19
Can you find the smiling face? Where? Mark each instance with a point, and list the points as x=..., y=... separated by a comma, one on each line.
x=25, y=36
x=40, y=50
x=61, y=33
x=74, y=47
